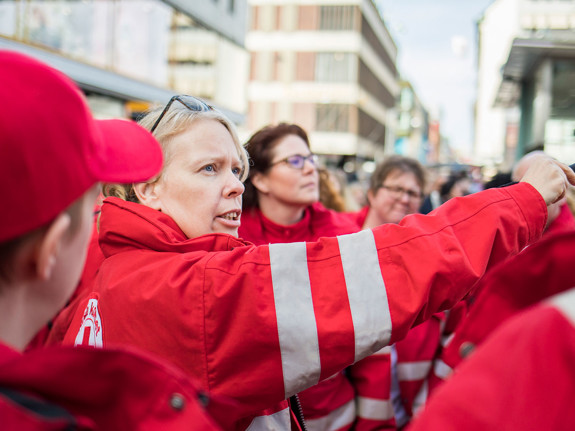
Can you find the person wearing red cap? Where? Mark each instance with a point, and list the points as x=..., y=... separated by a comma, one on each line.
x=261, y=323
x=53, y=156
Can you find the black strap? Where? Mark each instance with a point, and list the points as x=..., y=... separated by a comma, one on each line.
x=572, y=166
x=39, y=407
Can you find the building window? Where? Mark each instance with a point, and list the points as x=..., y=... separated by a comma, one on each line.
x=332, y=118
x=305, y=69
x=336, y=18
x=334, y=67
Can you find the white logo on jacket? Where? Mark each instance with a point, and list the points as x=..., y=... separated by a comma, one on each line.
x=90, y=333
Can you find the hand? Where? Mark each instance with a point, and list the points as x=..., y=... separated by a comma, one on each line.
x=550, y=177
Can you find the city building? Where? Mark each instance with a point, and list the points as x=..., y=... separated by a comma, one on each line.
x=526, y=68
x=328, y=65
x=127, y=54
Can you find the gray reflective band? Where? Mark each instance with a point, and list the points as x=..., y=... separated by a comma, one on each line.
x=366, y=292
x=565, y=302
x=374, y=409
x=413, y=371
x=297, y=326
x=276, y=421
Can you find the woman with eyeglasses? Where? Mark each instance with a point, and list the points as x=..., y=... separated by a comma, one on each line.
x=261, y=323
x=281, y=205
x=388, y=390
x=395, y=190
x=281, y=200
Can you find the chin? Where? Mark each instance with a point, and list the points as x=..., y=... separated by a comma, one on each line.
x=232, y=232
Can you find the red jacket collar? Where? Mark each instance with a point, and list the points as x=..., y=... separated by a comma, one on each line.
x=127, y=225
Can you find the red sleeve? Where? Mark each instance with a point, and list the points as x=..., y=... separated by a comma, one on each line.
x=259, y=324
x=335, y=301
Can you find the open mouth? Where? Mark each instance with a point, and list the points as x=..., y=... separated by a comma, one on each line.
x=231, y=216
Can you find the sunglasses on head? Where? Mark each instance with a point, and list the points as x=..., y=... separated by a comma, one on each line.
x=190, y=102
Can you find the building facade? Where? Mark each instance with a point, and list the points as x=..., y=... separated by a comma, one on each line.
x=526, y=68
x=328, y=65
x=127, y=54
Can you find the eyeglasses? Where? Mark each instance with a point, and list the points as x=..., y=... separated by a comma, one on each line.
x=190, y=102
x=398, y=192
x=297, y=161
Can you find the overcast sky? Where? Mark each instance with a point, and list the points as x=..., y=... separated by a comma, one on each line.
x=437, y=53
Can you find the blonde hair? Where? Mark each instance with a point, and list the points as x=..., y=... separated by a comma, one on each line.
x=174, y=122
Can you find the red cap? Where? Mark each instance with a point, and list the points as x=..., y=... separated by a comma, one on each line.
x=51, y=148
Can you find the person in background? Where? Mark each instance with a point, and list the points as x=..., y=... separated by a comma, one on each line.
x=262, y=323
x=456, y=185
x=54, y=160
x=395, y=190
x=281, y=200
x=387, y=388
x=281, y=205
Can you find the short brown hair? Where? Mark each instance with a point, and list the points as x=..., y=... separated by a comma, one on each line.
x=393, y=164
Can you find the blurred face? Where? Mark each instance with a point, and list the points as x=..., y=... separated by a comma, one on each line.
x=286, y=184
x=460, y=188
x=200, y=187
x=398, y=196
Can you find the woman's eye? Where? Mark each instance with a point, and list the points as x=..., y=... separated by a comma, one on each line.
x=210, y=168
x=237, y=172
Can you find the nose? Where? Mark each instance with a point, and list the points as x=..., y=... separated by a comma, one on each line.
x=309, y=166
x=405, y=198
x=233, y=187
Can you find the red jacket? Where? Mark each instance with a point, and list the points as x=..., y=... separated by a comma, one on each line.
x=329, y=405
x=415, y=357
x=259, y=324
x=521, y=374
x=318, y=221
x=357, y=217
x=86, y=389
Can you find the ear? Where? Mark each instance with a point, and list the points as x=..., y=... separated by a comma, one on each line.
x=259, y=181
x=49, y=245
x=147, y=194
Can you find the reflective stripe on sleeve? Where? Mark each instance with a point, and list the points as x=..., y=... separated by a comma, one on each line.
x=383, y=351
x=297, y=327
x=374, y=409
x=366, y=291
